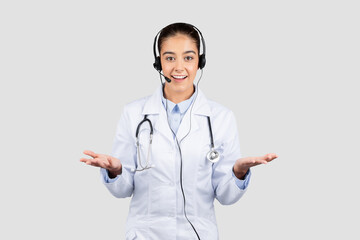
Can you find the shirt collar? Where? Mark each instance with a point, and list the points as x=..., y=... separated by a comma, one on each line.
x=183, y=106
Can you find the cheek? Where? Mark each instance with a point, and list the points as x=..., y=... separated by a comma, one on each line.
x=166, y=68
x=193, y=69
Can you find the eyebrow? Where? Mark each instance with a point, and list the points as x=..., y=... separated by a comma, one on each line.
x=190, y=51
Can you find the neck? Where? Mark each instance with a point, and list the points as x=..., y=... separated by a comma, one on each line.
x=177, y=97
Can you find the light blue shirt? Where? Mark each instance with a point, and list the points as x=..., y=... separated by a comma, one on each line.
x=175, y=113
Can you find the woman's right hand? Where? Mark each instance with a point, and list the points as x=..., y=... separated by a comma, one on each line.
x=113, y=165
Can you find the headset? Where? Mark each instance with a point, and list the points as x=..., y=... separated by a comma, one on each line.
x=202, y=59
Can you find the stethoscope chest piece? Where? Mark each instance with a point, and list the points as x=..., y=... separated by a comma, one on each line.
x=213, y=156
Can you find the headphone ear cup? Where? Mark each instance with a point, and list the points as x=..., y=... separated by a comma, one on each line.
x=202, y=61
x=157, y=64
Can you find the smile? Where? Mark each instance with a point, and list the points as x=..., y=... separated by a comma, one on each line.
x=179, y=76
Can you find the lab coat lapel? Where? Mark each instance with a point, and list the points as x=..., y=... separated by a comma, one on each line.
x=162, y=125
x=187, y=127
x=201, y=107
x=154, y=106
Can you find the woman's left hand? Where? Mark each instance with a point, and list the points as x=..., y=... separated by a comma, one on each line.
x=242, y=165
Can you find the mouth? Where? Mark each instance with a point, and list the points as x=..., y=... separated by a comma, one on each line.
x=179, y=78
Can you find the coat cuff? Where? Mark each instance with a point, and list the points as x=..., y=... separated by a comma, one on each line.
x=105, y=176
x=242, y=184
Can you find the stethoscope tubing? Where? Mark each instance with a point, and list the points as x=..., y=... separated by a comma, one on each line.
x=212, y=156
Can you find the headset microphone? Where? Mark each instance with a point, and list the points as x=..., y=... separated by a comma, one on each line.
x=166, y=78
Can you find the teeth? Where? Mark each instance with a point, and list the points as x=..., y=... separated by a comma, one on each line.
x=179, y=77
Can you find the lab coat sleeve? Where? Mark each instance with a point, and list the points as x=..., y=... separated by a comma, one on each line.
x=224, y=182
x=123, y=149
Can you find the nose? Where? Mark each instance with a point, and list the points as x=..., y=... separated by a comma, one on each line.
x=179, y=67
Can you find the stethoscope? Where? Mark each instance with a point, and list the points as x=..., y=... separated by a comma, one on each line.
x=213, y=155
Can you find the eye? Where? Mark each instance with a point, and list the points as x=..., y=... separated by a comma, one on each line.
x=188, y=58
x=170, y=59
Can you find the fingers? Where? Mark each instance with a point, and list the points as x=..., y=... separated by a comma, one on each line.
x=251, y=161
x=254, y=161
x=270, y=156
x=267, y=158
x=91, y=153
x=84, y=160
x=96, y=162
x=99, y=162
x=258, y=160
x=88, y=161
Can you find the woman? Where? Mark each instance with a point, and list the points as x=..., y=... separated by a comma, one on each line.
x=176, y=151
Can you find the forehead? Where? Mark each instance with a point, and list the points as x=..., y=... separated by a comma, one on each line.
x=179, y=42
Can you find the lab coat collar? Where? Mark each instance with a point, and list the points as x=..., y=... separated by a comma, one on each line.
x=154, y=105
x=183, y=106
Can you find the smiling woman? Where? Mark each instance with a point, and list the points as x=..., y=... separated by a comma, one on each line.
x=179, y=49
x=175, y=151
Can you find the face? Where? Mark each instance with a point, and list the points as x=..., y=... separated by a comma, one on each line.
x=179, y=62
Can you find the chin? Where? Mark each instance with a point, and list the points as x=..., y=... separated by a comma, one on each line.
x=182, y=87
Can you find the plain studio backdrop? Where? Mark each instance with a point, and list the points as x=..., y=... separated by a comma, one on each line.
x=289, y=70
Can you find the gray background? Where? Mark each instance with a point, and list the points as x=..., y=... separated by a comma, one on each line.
x=288, y=69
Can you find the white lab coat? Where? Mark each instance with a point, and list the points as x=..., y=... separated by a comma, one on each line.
x=157, y=205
